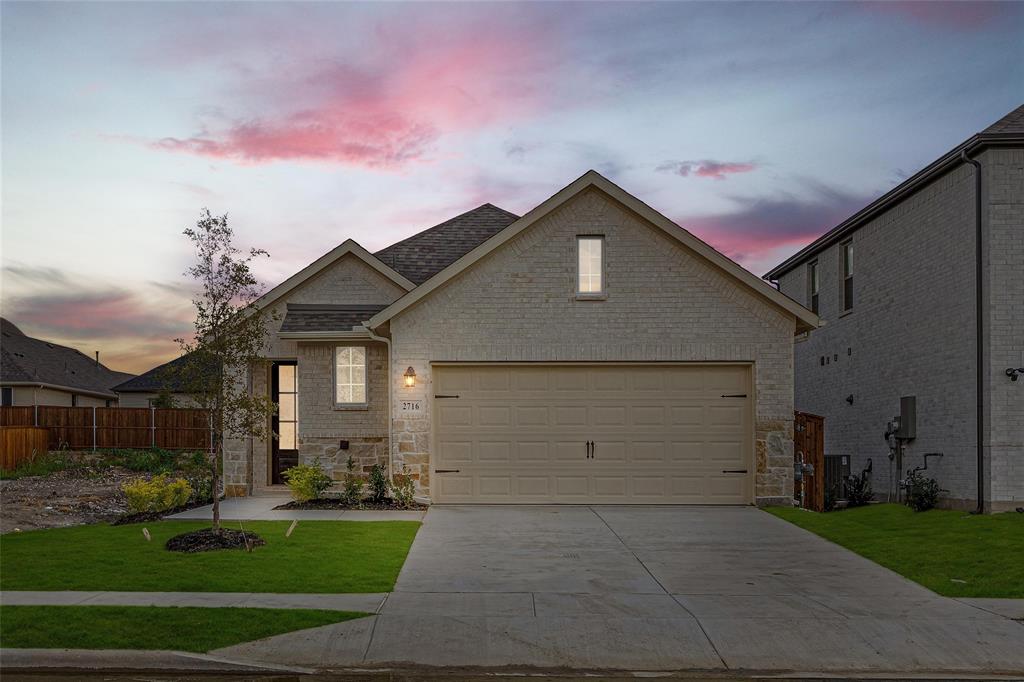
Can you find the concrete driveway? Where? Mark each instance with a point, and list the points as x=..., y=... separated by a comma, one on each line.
x=649, y=589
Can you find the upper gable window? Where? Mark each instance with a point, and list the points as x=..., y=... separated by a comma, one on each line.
x=350, y=375
x=590, y=270
x=814, y=282
x=847, y=276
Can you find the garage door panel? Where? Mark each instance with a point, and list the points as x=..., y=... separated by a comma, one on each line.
x=661, y=434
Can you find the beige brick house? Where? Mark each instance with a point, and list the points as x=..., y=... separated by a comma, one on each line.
x=588, y=351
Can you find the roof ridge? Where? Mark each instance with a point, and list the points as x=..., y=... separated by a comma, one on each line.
x=445, y=222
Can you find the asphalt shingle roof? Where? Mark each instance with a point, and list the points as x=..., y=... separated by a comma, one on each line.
x=162, y=377
x=314, y=317
x=25, y=359
x=1012, y=123
x=423, y=255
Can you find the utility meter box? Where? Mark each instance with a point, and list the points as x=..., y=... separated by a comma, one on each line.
x=907, y=427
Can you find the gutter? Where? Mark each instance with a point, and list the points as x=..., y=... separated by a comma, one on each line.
x=978, y=329
x=391, y=422
x=58, y=387
x=326, y=336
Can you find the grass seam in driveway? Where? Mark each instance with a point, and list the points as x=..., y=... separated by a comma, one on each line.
x=952, y=553
x=318, y=557
x=162, y=628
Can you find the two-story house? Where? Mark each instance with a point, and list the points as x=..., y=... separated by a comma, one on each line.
x=921, y=295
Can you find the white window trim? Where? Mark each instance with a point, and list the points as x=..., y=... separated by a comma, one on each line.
x=843, y=310
x=592, y=295
x=813, y=274
x=366, y=379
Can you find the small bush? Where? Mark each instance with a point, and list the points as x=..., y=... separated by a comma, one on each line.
x=379, y=484
x=202, y=488
x=858, y=490
x=352, y=487
x=922, y=492
x=157, y=494
x=153, y=460
x=404, y=487
x=307, y=481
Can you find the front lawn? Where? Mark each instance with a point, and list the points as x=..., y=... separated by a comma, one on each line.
x=151, y=627
x=319, y=556
x=953, y=553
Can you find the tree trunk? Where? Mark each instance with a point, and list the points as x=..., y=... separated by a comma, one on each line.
x=218, y=458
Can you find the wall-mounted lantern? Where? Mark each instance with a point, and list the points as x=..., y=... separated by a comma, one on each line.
x=410, y=377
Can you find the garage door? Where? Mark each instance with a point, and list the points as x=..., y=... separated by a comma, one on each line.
x=630, y=434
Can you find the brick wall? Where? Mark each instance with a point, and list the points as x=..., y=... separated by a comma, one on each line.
x=912, y=332
x=663, y=303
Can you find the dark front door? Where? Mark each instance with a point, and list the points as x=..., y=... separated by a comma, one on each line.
x=285, y=424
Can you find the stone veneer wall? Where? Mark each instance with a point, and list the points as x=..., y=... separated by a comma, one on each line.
x=663, y=303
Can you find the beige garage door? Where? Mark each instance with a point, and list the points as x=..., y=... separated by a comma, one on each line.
x=630, y=434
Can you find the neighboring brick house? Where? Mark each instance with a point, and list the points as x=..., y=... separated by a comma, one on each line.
x=38, y=372
x=902, y=322
x=589, y=351
x=161, y=386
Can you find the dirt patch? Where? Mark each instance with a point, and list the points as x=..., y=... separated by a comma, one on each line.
x=88, y=491
x=208, y=540
x=331, y=503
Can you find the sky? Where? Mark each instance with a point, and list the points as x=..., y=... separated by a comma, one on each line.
x=757, y=126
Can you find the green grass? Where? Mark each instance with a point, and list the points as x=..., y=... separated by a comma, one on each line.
x=937, y=548
x=151, y=627
x=41, y=465
x=320, y=556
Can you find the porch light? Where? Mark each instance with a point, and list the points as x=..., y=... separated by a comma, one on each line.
x=410, y=377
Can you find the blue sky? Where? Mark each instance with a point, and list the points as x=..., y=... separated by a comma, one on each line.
x=758, y=126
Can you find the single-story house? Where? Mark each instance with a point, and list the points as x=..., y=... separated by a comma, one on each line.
x=161, y=386
x=922, y=295
x=38, y=372
x=589, y=351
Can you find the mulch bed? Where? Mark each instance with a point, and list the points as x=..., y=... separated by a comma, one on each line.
x=208, y=539
x=332, y=503
x=142, y=517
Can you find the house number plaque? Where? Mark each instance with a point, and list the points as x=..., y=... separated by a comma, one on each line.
x=412, y=407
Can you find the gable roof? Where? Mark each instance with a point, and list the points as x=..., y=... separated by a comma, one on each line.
x=26, y=360
x=349, y=246
x=1009, y=130
x=806, y=320
x=423, y=255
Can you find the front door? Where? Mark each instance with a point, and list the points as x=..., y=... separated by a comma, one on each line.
x=285, y=423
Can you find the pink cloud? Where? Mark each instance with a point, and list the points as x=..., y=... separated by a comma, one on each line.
x=707, y=168
x=388, y=112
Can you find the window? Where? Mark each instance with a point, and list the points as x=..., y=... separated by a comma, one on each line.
x=812, y=276
x=6, y=396
x=350, y=375
x=286, y=394
x=591, y=266
x=847, y=276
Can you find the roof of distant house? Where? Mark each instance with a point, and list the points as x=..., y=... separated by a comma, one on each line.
x=166, y=377
x=426, y=253
x=26, y=360
x=1007, y=130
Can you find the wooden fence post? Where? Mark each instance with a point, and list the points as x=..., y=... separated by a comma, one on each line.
x=35, y=415
x=152, y=426
x=94, y=427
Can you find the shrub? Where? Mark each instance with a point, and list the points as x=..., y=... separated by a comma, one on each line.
x=153, y=460
x=922, y=492
x=404, y=487
x=307, y=481
x=158, y=494
x=352, y=488
x=379, y=485
x=43, y=464
x=858, y=490
x=202, y=488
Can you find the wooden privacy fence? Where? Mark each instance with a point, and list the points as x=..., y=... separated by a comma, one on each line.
x=84, y=428
x=20, y=444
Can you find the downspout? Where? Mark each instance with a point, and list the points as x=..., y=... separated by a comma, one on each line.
x=391, y=425
x=979, y=330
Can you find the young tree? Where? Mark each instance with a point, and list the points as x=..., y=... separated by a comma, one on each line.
x=230, y=334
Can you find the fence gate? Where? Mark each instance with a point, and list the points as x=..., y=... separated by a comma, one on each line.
x=809, y=460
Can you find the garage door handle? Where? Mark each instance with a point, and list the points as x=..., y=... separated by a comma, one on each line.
x=734, y=471
x=446, y=471
x=445, y=396
x=734, y=395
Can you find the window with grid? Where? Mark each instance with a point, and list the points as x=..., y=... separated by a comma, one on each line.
x=847, y=276
x=350, y=375
x=812, y=275
x=590, y=277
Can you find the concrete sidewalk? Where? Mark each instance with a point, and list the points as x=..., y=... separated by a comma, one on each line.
x=367, y=603
x=260, y=507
